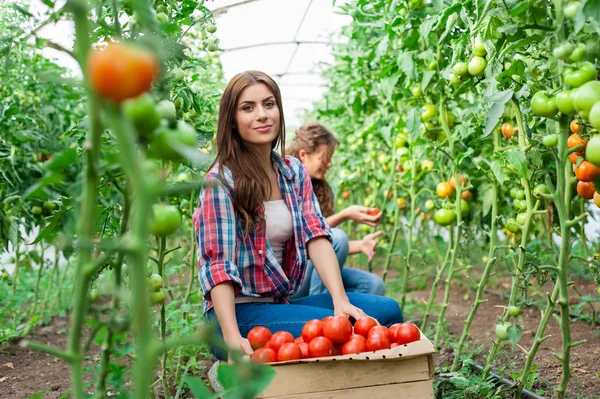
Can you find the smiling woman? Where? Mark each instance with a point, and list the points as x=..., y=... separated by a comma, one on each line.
x=258, y=223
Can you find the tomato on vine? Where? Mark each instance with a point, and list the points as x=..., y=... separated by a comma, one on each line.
x=444, y=190
x=542, y=105
x=587, y=172
x=586, y=190
x=166, y=221
x=508, y=130
x=592, y=150
x=477, y=66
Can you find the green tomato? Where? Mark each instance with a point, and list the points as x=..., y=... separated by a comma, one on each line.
x=577, y=77
x=143, y=114
x=166, y=109
x=124, y=269
x=478, y=48
x=167, y=141
x=36, y=210
x=49, y=206
x=571, y=9
x=550, y=140
x=444, y=217
x=450, y=118
x=162, y=18
x=158, y=296
x=564, y=102
x=542, y=105
x=464, y=208
x=517, y=193
x=401, y=140
x=429, y=205
x=212, y=47
x=592, y=150
x=477, y=66
x=177, y=73
x=512, y=225
x=586, y=96
x=521, y=219
x=416, y=91
x=454, y=79
x=514, y=311
x=166, y=220
x=432, y=65
x=155, y=282
x=520, y=205
x=594, y=116
x=93, y=295
x=578, y=53
x=563, y=51
x=5, y=275
x=211, y=28
x=429, y=111
x=502, y=331
x=540, y=189
x=460, y=68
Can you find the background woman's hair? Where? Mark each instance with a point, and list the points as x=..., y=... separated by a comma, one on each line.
x=309, y=137
x=251, y=182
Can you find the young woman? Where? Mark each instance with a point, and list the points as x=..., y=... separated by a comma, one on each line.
x=258, y=223
x=314, y=145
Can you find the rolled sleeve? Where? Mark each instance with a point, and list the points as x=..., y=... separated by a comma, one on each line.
x=215, y=225
x=313, y=223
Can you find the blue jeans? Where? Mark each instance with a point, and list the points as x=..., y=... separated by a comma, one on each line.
x=291, y=317
x=354, y=280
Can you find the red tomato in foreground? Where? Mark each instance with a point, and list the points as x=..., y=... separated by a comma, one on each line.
x=259, y=336
x=299, y=340
x=289, y=351
x=394, y=344
x=407, y=333
x=304, y=348
x=355, y=346
x=364, y=325
x=338, y=329
x=383, y=330
x=280, y=338
x=326, y=319
x=264, y=355
x=320, y=347
x=312, y=329
x=377, y=342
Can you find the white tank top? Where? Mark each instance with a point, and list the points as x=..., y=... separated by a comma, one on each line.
x=280, y=226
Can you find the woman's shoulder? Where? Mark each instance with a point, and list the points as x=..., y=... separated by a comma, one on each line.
x=222, y=177
x=294, y=165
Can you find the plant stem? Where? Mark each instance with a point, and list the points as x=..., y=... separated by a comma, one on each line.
x=388, y=258
x=436, y=281
x=162, y=243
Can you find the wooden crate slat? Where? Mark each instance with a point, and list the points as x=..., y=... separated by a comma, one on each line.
x=409, y=390
x=316, y=377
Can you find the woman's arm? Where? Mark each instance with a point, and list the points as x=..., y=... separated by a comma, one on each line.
x=323, y=257
x=366, y=246
x=223, y=297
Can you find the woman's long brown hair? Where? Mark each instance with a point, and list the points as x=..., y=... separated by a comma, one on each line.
x=251, y=182
x=309, y=137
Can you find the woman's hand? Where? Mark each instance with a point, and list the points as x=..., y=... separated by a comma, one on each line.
x=369, y=244
x=360, y=214
x=239, y=344
x=344, y=308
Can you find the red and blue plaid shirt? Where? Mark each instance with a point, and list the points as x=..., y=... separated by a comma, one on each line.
x=224, y=254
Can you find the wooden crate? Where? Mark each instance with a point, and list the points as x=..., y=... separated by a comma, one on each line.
x=404, y=371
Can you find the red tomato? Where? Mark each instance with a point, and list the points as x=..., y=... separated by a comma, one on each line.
x=355, y=346
x=586, y=171
x=259, y=336
x=407, y=333
x=377, y=342
x=264, y=355
x=338, y=329
x=280, y=338
x=325, y=319
x=394, y=344
x=586, y=190
x=320, y=347
x=383, y=330
x=268, y=344
x=337, y=350
x=289, y=351
x=304, y=348
x=299, y=340
x=312, y=329
x=393, y=329
x=363, y=325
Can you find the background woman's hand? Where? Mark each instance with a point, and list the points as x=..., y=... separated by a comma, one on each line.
x=368, y=244
x=360, y=214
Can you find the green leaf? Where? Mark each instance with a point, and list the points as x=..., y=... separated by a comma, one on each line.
x=498, y=171
x=412, y=123
x=407, y=65
x=498, y=102
x=487, y=197
x=62, y=160
x=514, y=332
x=388, y=85
x=591, y=9
x=427, y=75
x=197, y=387
x=517, y=159
x=38, y=395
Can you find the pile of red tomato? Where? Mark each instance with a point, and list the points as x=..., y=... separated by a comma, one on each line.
x=332, y=336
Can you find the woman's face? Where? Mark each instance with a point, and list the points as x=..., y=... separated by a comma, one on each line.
x=257, y=116
x=317, y=163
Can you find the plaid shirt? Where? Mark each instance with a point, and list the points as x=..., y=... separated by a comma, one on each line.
x=249, y=262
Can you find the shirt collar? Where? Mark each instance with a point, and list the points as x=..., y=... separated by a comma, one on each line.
x=281, y=165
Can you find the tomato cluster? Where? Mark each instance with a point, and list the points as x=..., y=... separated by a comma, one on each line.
x=332, y=336
x=447, y=215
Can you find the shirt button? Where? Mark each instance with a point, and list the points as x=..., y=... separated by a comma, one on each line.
x=260, y=251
